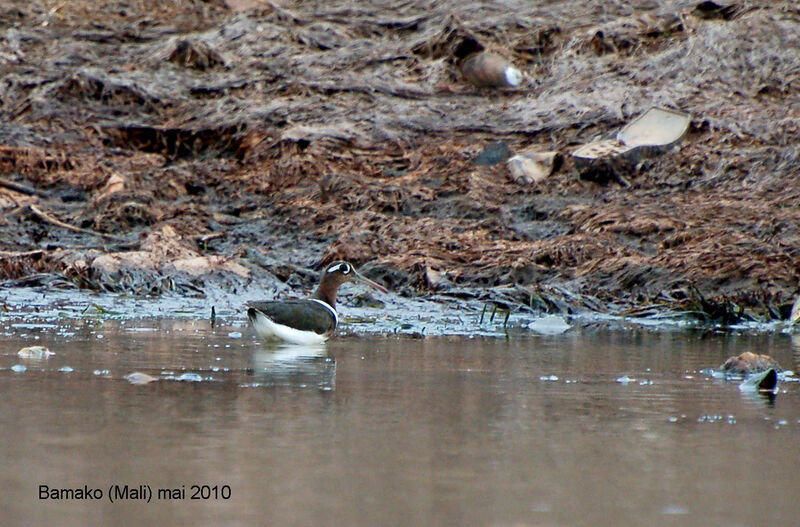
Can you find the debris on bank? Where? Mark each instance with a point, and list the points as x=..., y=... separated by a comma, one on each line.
x=533, y=167
x=483, y=68
x=248, y=143
x=649, y=134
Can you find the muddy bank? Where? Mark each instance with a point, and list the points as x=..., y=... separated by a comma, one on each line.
x=149, y=147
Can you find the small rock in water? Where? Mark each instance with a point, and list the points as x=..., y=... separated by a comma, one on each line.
x=35, y=353
x=549, y=325
x=18, y=368
x=748, y=363
x=189, y=377
x=139, y=378
x=674, y=509
x=65, y=369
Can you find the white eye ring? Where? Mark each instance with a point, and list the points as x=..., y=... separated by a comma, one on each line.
x=343, y=268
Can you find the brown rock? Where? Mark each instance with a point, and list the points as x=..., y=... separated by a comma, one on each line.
x=749, y=362
x=490, y=70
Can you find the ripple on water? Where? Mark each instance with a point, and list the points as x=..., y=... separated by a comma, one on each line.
x=675, y=419
x=717, y=418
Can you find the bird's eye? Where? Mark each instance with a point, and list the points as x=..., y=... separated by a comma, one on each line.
x=343, y=268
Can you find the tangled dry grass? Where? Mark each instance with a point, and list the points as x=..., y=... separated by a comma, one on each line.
x=344, y=130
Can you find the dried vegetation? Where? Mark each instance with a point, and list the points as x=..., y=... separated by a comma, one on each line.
x=253, y=135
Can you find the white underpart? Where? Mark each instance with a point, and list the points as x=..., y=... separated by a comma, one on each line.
x=266, y=328
x=513, y=76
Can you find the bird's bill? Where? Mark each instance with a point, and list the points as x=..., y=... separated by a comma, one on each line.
x=364, y=280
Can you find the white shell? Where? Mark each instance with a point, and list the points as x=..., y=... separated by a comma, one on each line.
x=513, y=76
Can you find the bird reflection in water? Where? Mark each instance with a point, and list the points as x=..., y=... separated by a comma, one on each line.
x=296, y=365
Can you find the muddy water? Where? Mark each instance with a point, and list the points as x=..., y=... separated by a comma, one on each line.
x=585, y=428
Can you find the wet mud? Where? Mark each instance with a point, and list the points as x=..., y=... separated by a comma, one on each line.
x=238, y=146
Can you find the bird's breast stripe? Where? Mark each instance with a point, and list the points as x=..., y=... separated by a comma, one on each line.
x=330, y=309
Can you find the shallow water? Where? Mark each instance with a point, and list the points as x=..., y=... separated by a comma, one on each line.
x=587, y=427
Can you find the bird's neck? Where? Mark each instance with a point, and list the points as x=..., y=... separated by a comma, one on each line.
x=326, y=293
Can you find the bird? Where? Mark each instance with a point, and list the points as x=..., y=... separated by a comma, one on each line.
x=311, y=320
x=483, y=68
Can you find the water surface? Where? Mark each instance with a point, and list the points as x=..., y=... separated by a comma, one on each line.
x=589, y=427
